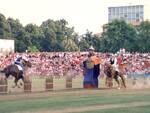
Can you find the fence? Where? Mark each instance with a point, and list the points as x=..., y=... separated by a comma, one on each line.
x=49, y=83
x=40, y=84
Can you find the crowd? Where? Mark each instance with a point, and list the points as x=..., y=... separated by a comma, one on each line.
x=70, y=63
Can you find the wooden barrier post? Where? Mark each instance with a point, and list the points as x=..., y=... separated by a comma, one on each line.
x=68, y=82
x=49, y=83
x=3, y=85
x=27, y=84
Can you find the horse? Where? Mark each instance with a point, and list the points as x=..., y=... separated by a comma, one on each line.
x=111, y=74
x=13, y=70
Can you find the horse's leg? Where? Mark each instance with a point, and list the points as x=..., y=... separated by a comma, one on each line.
x=115, y=76
x=116, y=79
x=123, y=79
x=21, y=77
x=106, y=82
x=15, y=81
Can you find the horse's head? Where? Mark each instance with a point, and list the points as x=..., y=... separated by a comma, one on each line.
x=107, y=67
x=122, y=67
x=27, y=63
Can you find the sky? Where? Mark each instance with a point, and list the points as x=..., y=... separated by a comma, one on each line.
x=81, y=14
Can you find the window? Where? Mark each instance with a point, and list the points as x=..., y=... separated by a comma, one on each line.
x=133, y=9
x=121, y=10
x=117, y=10
x=113, y=10
x=137, y=8
x=137, y=15
x=129, y=16
x=141, y=7
x=125, y=16
x=129, y=9
x=133, y=16
x=124, y=9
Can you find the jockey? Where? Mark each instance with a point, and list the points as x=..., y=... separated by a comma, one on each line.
x=19, y=62
x=112, y=60
x=115, y=61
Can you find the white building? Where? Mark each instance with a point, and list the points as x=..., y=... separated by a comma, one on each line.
x=131, y=13
x=6, y=46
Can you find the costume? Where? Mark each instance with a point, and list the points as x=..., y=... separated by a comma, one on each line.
x=96, y=70
x=88, y=67
x=91, y=69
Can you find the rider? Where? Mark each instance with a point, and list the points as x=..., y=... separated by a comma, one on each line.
x=116, y=60
x=19, y=62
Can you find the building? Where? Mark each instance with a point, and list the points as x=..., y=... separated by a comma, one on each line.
x=6, y=46
x=133, y=14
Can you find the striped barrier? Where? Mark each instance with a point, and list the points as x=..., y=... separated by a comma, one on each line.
x=49, y=83
x=3, y=85
x=27, y=84
x=68, y=82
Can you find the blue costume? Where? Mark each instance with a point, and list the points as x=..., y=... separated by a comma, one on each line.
x=92, y=71
x=18, y=62
x=88, y=75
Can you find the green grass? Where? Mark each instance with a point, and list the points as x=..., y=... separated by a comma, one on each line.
x=76, y=101
x=59, y=83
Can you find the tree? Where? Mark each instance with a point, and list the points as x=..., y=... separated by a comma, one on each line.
x=50, y=40
x=144, y=36
x=18, y=34
x=118, y=35
x=35, y=35
x=58, y=37
x=5, y=30
x=70, y=45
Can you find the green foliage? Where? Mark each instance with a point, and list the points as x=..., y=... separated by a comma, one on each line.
x=33, y=49
x=5, y=31
x=57, y=36
x=118, y=35
x=144, y=36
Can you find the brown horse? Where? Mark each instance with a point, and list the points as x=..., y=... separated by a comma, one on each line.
x=15, y=72
x=111, y=74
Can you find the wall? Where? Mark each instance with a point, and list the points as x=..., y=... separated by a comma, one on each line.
x=6, y=46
